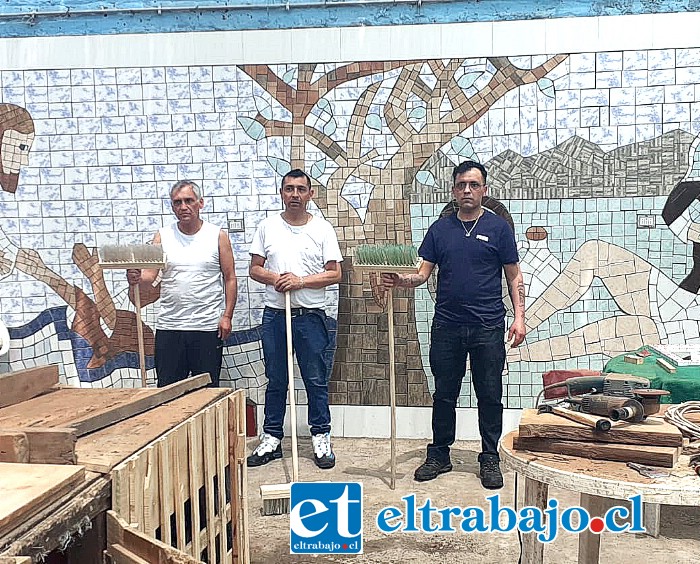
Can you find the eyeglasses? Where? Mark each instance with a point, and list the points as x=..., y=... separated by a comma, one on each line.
x=462, y=186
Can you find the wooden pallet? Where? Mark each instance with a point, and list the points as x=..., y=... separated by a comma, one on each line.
x=188, y=488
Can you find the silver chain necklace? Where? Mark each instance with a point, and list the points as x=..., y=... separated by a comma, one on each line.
x=468, y=232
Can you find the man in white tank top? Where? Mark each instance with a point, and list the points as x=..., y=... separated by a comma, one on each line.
x=296, y=252
x=198, y=291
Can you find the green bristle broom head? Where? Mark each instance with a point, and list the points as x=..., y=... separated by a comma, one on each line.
x=390, y=255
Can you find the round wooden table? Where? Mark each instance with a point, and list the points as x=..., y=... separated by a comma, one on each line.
x=598, y=481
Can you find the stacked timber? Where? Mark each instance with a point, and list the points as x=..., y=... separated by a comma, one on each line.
x=653, y=442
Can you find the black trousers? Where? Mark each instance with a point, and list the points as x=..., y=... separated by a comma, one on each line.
x=180, y=354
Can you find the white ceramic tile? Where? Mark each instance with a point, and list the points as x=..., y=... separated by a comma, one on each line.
x=364, y=43
x=564, y=35
x=305, y=46
x=464, y=39
x=624, y=32
x=674, y=30
x=262, y=46
x=519, y=37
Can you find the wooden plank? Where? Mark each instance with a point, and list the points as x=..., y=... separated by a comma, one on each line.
x=161, y=396
x=120, y=491
x=239, y=478
x=50, y=445
x=121, y=555
x=151, y=493
x=535, y=495
x=221, y=459
x=87, y=410
x=15, y=560
x=142, y=546
x=653, y=431
x=137, y=477
x=653, y=455
x=179, y=471
x=104, y=449
x=589, y=542
x=26, y=489
x=194, y=438
x=88, y=500
x=208, y=436
x=14, y=447
x=166, y=488
x=22, y=385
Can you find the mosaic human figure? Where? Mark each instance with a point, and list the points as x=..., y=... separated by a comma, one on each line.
x=108, y=331
x=16, y=138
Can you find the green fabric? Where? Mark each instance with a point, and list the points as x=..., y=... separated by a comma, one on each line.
x=684, y=384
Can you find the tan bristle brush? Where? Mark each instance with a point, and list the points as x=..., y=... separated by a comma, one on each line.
x=114, y=257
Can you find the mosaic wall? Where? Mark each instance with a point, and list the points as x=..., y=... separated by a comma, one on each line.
x=592, y=156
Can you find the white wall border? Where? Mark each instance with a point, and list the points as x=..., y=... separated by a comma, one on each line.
x=524, y=37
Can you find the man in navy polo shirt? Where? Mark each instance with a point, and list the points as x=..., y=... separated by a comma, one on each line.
x=472, y=248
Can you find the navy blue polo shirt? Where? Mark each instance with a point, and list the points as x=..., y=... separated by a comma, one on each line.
x=470, y=271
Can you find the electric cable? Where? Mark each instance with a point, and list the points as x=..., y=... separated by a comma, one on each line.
x=676, y=414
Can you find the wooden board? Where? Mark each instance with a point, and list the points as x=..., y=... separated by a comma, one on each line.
x=22, y=385
x=128, y=545
x=654, y=431
x=665, y=457
x=104, y=449
x=87, y=410
x=38, y=445
x=26, y=489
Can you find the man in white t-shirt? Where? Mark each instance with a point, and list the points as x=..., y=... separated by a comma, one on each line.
x=296, y=252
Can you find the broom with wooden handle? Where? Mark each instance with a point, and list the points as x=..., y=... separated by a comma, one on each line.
x=394, y=259
x=140, y=257
x=276, y=497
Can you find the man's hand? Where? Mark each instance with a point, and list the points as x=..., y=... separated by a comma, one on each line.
x=390, y=279
x=516, y=333
x=133, y=275
x=288, y=281
x=224, y=327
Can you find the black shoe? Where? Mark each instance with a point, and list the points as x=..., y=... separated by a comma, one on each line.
x=269, y=449
x=490, y=472
x=431, y=469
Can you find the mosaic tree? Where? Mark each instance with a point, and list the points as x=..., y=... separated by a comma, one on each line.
x=404, y=112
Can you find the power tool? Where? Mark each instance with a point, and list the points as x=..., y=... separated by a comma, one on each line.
x=620, y=397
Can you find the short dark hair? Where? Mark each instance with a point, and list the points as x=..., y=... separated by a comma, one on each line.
x=468, y=165
x=296, y=173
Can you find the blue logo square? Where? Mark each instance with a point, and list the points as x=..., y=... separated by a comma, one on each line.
x=325, y=518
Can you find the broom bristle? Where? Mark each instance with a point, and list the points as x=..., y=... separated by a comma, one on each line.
x=391, y=255
x=275, y=506
x=131, y=256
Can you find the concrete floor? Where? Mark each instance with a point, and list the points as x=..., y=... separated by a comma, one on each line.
x=367, y=460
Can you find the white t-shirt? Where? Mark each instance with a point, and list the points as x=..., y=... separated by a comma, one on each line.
x=192, y=289
x=301, y=250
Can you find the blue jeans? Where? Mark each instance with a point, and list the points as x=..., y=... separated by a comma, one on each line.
x=314, y=348
x=449, y=347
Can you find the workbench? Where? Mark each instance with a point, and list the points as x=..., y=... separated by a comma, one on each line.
x=598, y=482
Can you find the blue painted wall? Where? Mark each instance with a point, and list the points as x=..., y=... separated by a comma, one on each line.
x=85, y=17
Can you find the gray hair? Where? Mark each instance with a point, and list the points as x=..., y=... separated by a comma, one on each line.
x=180, y=184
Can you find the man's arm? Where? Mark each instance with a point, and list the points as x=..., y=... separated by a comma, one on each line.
x=392, y=280
x=259, y=273
x=145, y=279
x=228, y=270
x=331, y=274
x=516, y=286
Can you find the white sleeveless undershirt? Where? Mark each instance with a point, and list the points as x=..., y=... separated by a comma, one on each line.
x=192, y=289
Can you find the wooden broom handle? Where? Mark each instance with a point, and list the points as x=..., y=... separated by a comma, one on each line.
x=290, y=376
x=139, y=334
x=392, y=383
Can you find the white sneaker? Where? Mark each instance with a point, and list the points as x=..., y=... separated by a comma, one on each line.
x=323, y=453
x=269, y=449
